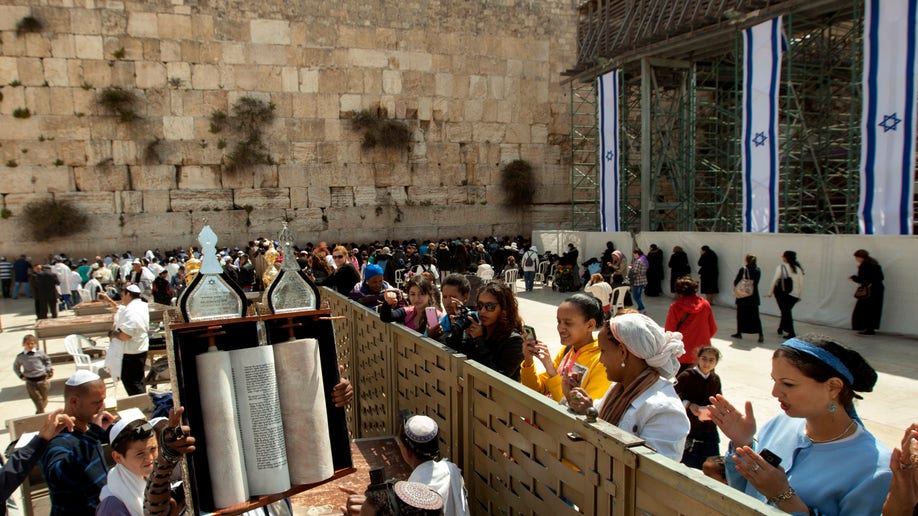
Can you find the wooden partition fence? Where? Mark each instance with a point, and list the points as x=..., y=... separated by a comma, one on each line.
x=521, y=453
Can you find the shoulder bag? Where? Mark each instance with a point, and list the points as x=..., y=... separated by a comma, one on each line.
x=745, y=287
x=862, y=292
x=785, y=282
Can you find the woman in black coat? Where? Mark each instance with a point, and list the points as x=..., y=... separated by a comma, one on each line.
x=654, y=271
x=678, y=267
x=869, y=309
x=708, y=272
x=747, y=308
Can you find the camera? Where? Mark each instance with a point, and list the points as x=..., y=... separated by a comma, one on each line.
x=461, y=320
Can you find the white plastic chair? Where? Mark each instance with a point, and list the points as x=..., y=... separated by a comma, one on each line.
x=617, y=299
x=84, y=295
x=510, y=276
x=74, y=345
x=540, y=274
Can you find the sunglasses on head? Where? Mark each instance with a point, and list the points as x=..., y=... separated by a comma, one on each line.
x=488, y=307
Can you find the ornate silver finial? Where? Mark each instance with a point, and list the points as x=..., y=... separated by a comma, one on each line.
x=286, y=238
x=208, y=240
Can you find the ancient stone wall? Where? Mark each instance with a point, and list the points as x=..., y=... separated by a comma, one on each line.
x=478, y=82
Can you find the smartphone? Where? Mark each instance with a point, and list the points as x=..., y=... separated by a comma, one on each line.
x=770, y=457
x=529, y=333
x=432, y=319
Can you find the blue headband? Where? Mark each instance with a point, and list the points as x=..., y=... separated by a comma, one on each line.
x=824, y=356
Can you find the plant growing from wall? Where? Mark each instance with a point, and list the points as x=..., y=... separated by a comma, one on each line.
x=379, y=130
x=52, y=218
x=5, y=213
x=250, y=116
x=518, y=183
x=120, y=53
x=21, y=113
x=119, y=101
x=28, y=24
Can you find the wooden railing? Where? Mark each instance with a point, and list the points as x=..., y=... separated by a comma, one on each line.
x=521, y=453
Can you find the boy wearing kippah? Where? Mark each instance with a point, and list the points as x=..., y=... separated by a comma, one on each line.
x=34, y=368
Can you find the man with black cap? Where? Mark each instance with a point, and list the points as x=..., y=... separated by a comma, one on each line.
x=74, y=465
x=132, y=321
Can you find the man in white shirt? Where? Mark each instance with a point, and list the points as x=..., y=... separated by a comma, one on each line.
x=132, y=322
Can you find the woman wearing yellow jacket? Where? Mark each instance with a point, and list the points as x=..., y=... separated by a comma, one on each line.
x=577, y=363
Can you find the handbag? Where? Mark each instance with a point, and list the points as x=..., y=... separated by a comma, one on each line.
x=862, y=292
x=785, y=282
x=745, y=287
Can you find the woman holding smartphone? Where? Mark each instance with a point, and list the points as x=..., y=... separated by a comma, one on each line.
x=577, y=363
x=420, y=297
x=830, y=463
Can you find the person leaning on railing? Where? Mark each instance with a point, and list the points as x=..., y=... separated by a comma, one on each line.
x=641, y=359
x=577, y=363
x=493, y=335
x=829, y=463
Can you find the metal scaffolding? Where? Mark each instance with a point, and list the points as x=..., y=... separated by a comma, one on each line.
x=681, y=113
x=584, y=161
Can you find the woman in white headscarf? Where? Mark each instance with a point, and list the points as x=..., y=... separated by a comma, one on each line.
x=641, y=359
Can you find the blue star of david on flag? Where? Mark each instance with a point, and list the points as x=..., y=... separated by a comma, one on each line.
x=889, y=122
x=759, y=139
x=609, y=155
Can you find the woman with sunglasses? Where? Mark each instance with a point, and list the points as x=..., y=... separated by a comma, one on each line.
x=345, y=276
x=493, y=337
x=641, y=360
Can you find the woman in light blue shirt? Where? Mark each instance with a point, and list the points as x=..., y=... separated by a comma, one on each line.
x=829, y=463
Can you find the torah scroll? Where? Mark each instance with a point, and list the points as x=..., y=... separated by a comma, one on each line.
x=260, y=420
x=224, y=446
x=302, y=398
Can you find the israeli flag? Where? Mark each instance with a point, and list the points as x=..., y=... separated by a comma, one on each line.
x=608, y=89
x=762, y=74
x=888, y=118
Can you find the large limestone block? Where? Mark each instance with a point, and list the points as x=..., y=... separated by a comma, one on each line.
x=262, y=198
x=266, y=176
x=88, y=47
x=342, y=196
x=299, y=197
x=199, y=178
x=266, y=54
x=242, y=178
x=90, y=202
x=62, y=46
x=16, y=180
x=364, y=196
x=37, y=45
x=170, y=227
x=152, y=177
x=124, y=152
x=203, y=27
x=197, y=200
x=142, y=25
x=52, y=179
x=20, y=129
x=368, y=58
x=297, y=175
x=156, y=201
x=357, y=174
x=109, y=178
x=309, y=81
x=129, y=202
x=30, y=71
x=56, y=72
x=150, y=75
x=427, y=195
x=16, y=202
x=205, y=77
x=318, y=197
x=270, y=31
x=178, y=127
x=173, y=26
x=10, y=16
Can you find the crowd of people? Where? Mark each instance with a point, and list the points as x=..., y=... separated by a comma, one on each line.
x=656, y=381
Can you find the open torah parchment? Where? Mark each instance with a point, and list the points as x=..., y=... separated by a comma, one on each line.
x=267, y=425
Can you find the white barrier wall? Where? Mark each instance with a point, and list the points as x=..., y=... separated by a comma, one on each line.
x=828, y=296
